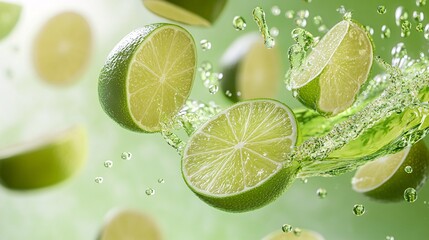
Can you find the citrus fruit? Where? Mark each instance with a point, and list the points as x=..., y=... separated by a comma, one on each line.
x=45, y=161
x=250, y=70
x=331, y=76
x=192, y=12
x=9, y=16
x=387, y=177
x=237, y=160
x=62, y=48
x=148, y=76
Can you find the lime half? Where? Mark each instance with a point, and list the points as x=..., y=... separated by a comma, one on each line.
x=236, y=160
x=387, y=177
x=303, y=235
x=9, y=16
x=43, y=162
x=148, y=76
x=331, y=76
x=192, y=12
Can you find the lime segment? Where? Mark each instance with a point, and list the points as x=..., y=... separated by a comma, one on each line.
x=236, y=161
x=9, y=16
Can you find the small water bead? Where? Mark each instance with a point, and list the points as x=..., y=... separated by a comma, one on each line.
x=385, y=32
x=408, y=169
x=400, y=15
x=418, y=16
x=347, y=16
x=420, y=3
x=205, y=45
x=370, y=30
x=239, y=23
x=322, y=28
x=108, y=164
x=358, y=209
x=275, y=10
x=304, y=180
x=390, y=238
x=259, y=17
x=301, y=22
x=410, y=195
x=150, y=191
x=381, y=9
x=419, y=27
x=317, y=20
x=303, y=14
x=205, y=66
x=341, y=10
x=161, y=180
x=274, y=32
x=290, y=14
x=287, y=228
x=406, y=28
x=297, y=232
x=213, y=89
x=126, y=155
x=321, y=193
x=228, y=93
x=426, y=32
x=99, y=179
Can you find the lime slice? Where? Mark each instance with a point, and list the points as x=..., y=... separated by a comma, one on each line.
x=129, y=225
x=62, y=48
x=148, y=76
x=386, y=177
x=9, y=16
x=303, y=235
x=331, y=76
x=198, y=13
x=236, y=160
x=44, y=162
x=250, y=70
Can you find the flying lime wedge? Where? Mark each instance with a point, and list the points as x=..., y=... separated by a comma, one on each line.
x=9, y=16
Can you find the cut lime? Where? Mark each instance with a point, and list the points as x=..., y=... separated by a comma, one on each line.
x=192, y=12
x=43, y=162
x=386, y=178
x=62, y=48
x=303, y=235
x=148, y=76
x=237, y=160
x=331, y=76
x=250, y=70
x=9, y=16
x=129, y=225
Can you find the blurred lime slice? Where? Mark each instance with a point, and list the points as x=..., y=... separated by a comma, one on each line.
x=44, y=162
x=192, y=12
x=62, y=48
x=331, y=76
x=237, y=160
x=129, y=225
x=250, y=70
x=9, y=16
x=303, y=235
x=386, y=178
x=148, y=76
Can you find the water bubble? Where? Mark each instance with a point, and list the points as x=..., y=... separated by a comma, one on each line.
x=228, y=93
x=347, y=16
x=410, y=195
x=301, y=22
x=381, y=9
x=205, y=45
x=303, y=14
x=419, y=27
x=418, y=16
x=408, y=169
x=295, y=93
x=341, y=10
x=99, y=179
x=385, y=32
x=213, y=89
x=303, y=38
x=400, y=15
x=317, y=20
x=126, y=155
x=108, y=164
x=205, y=66
x=239, y=23
x=358, y=209
x=238, y=94
x=290, y=14
x=287, y=228
x=274, y=31
x=390, y=238
x=406, y=28
x=322, y=28
x=420, y=3
x=161, y=180
x=259, y=17
x=275, y=10
x=426, y=32
x=297, y=231
x=321, y=193
x=370, y=30
x=150, y=191
x=304, y=180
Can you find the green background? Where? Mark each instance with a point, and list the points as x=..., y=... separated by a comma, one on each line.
x=75, y=209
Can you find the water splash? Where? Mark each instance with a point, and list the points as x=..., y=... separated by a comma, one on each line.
x=259, y=17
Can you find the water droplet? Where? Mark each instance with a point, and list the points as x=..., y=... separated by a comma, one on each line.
x=296, y=55
x=213, y=89
x=99, y=179
x=150, y=191
x=274, y=31
x=385, y=32
x=406, y=28
x=290, y=14
x=228, y=93
x=126, y=155
x=238, y=94
x=358, y=209
x=418, y=16
x=426, y=32
x=303, y=14
x=304, y=180
x=408, y=169
x=205, y=45
x=301, y=22
x=205, y=66
x=297, y=231
x=108, y=164
x=317, y=20
x=303, y=38
x=295, y=93
x=381, y=9
x=420, y=3
x=390, y=238
x=322, y=28
x=400, y=15
x=419, y=27
x=239, y=23
x=370, y=30
x=275, y=10
x=321, y=193
x=259, y=17
x=410, y=195
x=341, y=10
x=161, y=180
x=287, y=228
x=347, y=16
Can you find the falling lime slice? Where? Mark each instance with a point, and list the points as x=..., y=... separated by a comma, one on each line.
x=250, y=70
x=44, y=162
x=387, y=177
x=303, y=235
x=9, y=16
x=129, y=225
x=148, y=76
x=62, y=48
x=331, y=76
x=237, y=160
x=199, y=13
